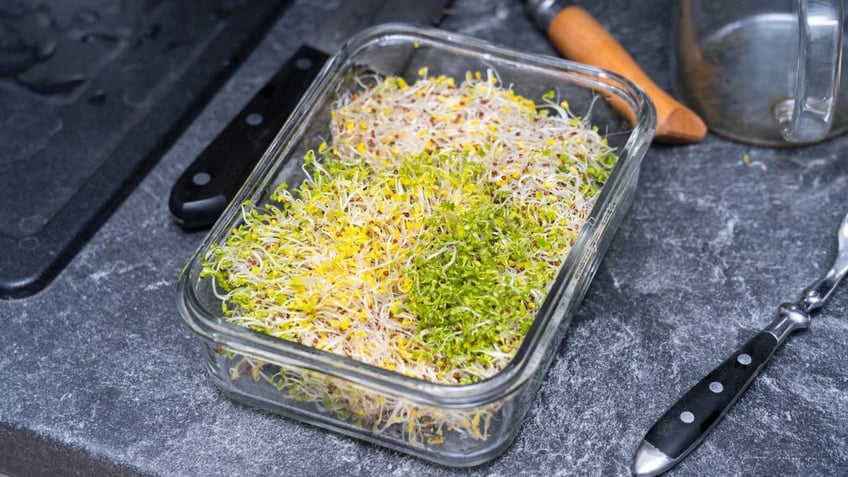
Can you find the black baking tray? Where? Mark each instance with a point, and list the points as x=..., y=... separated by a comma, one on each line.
x=92, y=92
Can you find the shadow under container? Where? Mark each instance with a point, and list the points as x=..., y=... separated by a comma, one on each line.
x=454, y=425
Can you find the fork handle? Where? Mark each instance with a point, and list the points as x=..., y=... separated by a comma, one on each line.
x=693, y=416
x=685, y=425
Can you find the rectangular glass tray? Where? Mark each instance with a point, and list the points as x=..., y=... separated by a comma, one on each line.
x=471, y=423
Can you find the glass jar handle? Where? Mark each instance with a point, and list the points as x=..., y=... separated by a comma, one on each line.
x=817, y=78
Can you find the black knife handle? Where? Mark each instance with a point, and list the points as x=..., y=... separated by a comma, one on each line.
x=205, y=188
x=691, y=418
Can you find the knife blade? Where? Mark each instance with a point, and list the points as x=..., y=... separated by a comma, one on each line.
x=210, y=182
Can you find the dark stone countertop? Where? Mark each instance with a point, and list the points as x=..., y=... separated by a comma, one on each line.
x=100, y=366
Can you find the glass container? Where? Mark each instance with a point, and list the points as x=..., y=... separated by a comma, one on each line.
x=468, y=424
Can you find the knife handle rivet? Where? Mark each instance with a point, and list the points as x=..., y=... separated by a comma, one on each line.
x=687, y=417
x=744, y=359
x=201, y=179
x=303, y=63
x=254, y=119
x=716, y=387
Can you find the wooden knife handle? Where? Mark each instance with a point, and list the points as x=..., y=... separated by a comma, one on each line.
x=581, y=38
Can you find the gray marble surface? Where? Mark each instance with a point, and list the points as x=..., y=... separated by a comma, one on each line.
x=101, y=363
